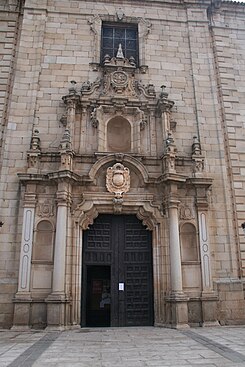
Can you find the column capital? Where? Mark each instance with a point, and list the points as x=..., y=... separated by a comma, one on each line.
x=63, y=198
x=173, y=203
x=171, y=200
x=202, y=203
x=30, y=199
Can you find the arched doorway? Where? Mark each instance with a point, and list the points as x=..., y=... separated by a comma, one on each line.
x=117, y=276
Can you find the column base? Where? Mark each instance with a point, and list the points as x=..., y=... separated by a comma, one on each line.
x=57, y=311
x=177, y=311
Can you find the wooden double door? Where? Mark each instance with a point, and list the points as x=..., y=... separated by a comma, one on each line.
x=117, y=284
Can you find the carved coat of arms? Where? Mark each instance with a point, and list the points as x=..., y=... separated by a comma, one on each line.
x=118, y=179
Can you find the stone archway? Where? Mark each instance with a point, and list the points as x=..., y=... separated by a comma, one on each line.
x=149, y=216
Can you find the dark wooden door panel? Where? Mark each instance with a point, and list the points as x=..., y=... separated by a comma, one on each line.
x=138, y=273
x=123, y=243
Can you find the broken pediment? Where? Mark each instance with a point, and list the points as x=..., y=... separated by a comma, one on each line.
x=118, y=80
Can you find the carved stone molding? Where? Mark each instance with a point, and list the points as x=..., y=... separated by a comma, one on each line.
x=95, y=23
x=144, y=26
x=89, y=209
x=122, y=158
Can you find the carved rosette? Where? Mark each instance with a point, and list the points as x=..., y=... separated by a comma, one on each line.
x=119, y=80
x=118, y=180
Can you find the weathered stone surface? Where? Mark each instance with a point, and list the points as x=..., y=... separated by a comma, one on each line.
x=54, y=153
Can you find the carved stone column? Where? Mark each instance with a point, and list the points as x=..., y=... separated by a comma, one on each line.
x=177, y=300
x=57, y=300
x=22, y=298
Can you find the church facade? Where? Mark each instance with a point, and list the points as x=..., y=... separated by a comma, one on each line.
x=122, y=166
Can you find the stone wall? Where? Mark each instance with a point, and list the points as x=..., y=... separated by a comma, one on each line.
x=198, y=57
x=228, y=38
x=10, y=29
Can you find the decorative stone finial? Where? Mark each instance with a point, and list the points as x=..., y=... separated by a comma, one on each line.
x=72, y=89
x=170, y=154
x=86, y=86
x=132, y=61
x=107, y=59
x=196, y=146
x=163, y=94
x=65, y=143
x=120, y=54
x=34, y=154
x=35, y=140
x=120, y=14
x=151, y=89
x=170, y=141
x=197, y=157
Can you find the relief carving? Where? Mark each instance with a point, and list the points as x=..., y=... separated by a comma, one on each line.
x=118, y=180
x=45, y=209
x=94, y=22
x=93, y=118
x=146, y=27
x=119, y=80
x=185, y=212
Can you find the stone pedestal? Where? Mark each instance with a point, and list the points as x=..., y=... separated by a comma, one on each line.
x=178, y=311
x=22, y=312
x=57, y=311
x=209, y=309
x=22, y=300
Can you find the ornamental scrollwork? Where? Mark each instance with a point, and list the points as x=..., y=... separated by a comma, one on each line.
x=118, y=180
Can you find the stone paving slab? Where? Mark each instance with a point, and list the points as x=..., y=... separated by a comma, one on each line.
x=124, y=347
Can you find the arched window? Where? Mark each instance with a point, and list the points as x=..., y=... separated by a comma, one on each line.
x=188, y=237
x=43, y=246
x=118, y=135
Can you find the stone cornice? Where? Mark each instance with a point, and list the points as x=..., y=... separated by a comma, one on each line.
x=52, y=176
x=172, y=177
x=200, y=181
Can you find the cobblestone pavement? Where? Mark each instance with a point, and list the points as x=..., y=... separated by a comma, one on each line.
x=124, y=347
